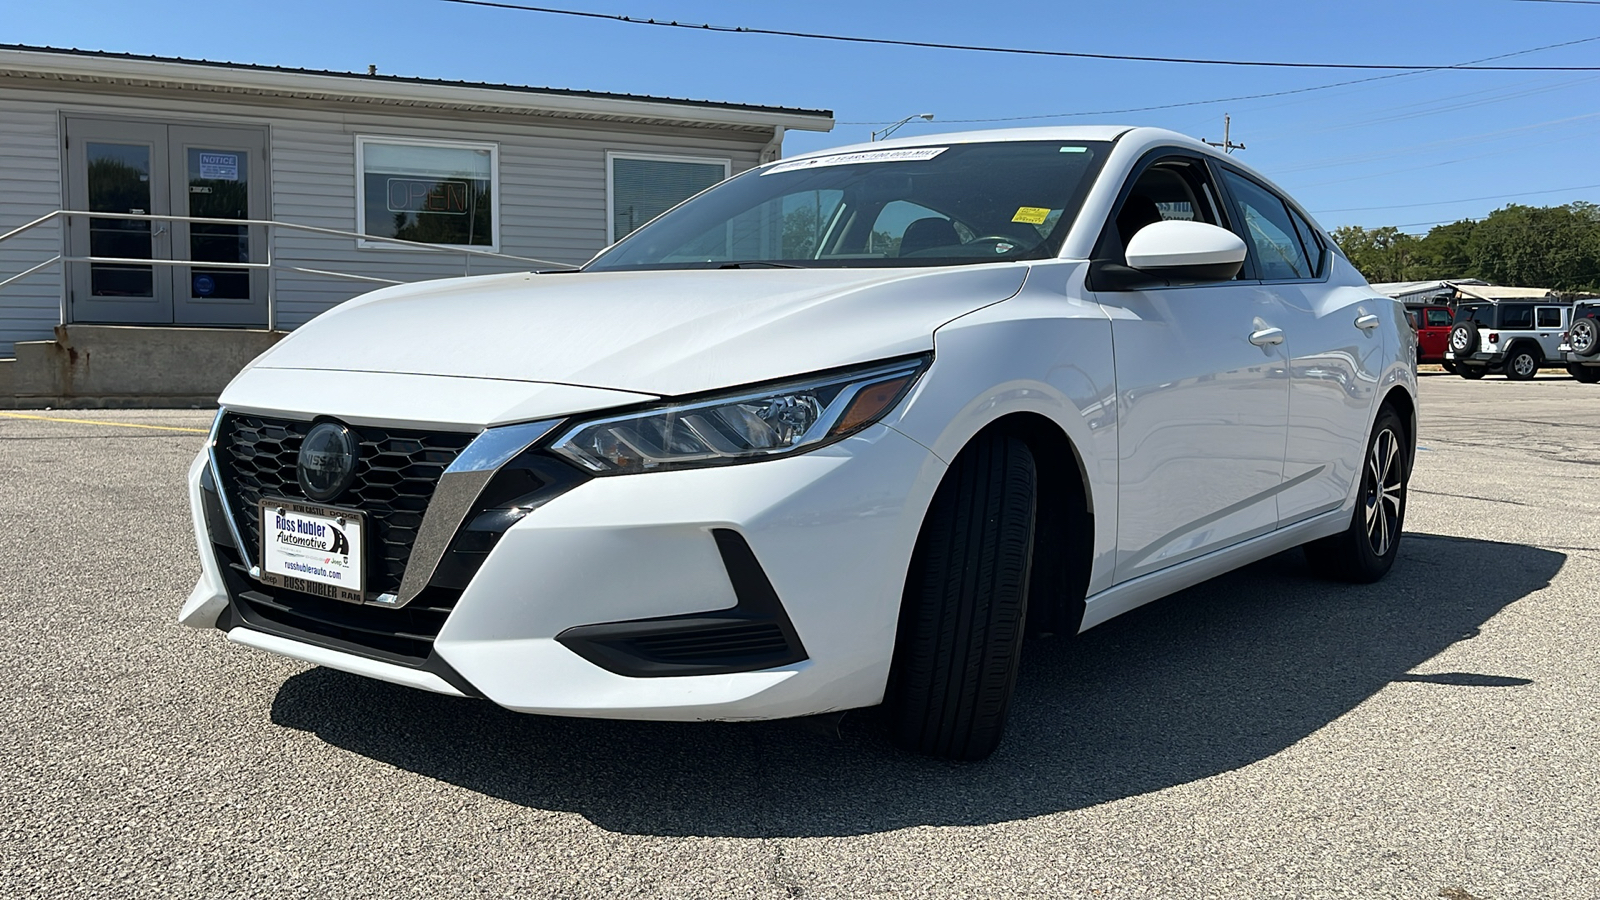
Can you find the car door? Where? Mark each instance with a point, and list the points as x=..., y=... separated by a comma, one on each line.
x=1434, y=334
x=1335, y=346
x=1551, y=325
x=1202, y=388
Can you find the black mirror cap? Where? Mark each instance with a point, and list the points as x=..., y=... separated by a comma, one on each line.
x=1108, y=275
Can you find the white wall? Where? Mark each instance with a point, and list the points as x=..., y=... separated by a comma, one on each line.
x=30, y=187
x=552, y=188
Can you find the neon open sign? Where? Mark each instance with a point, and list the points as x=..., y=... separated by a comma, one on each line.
x=418, y=195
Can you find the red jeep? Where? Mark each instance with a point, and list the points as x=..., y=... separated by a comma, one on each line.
x=1433, y=332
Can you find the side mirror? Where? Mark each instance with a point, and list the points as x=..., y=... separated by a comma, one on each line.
x=1186, y=251
x=1165, y=252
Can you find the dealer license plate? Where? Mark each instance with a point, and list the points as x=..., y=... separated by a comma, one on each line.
x=312, y=549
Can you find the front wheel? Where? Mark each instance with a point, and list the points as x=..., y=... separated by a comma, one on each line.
x=965, y=605
x=1365, y=551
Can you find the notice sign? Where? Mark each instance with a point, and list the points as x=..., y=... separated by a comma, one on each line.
x=219, y=166
x=415, y=195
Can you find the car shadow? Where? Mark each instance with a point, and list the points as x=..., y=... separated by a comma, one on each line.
x=1211, y=679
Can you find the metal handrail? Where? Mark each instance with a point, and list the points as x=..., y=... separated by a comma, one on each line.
x=272, y=317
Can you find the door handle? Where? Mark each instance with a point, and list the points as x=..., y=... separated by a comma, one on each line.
x=1267, y=337
x=1367, y=322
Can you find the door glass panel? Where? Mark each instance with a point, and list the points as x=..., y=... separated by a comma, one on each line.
x=119, y=182
x=1549, y=317
x=219, y=188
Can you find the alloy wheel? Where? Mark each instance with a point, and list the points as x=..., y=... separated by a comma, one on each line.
x=1384, y=492
x=1524, y=365
x=1582, y=337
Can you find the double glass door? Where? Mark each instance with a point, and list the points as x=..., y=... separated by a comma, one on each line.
x=155, y=169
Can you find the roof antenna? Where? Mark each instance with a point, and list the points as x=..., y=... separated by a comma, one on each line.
x=1227, y=145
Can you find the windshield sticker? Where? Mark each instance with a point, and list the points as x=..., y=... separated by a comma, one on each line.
x=1073, y=150
x=1031, y=215
x=914, y=154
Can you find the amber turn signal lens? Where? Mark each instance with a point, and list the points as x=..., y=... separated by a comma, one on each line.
x=870, y=403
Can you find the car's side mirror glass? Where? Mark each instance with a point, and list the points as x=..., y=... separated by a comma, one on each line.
x=1186, y=251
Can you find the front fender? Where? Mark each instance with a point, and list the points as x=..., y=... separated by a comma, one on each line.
x=1046, y=352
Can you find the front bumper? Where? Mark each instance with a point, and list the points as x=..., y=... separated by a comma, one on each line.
x=830, y=531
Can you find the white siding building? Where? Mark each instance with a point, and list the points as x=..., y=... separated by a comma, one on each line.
x=509, y=176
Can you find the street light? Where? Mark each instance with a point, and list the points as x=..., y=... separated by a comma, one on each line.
x=883, y=134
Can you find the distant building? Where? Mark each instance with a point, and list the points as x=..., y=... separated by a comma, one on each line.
x=513, y=174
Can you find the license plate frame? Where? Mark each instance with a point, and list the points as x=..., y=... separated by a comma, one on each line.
x=313, y=549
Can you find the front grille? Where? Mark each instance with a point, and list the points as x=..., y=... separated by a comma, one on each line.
x=395, y=478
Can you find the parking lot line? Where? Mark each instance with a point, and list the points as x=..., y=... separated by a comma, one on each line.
x=11, y=415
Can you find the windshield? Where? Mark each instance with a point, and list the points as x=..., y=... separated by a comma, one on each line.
x=920, y=206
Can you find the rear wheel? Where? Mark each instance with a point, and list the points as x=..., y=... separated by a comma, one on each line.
x=1449, y=366
x=965, y=605
x=1522, y=364
x=1471, y=373
x=1365, y=551
x=1585, y=374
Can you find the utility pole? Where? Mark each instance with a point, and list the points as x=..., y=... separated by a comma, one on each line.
x=1227, y=145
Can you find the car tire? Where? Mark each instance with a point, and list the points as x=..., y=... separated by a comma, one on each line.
x=1463, y=339
x=1584, y=336
x=1365, y=551
x=1449, y=366
x=1522, y=364
x=965, y=606
x=1585, y=374
x=1472, y=373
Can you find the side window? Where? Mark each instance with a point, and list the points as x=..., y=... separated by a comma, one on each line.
x=1516, y=316
x=1168, y=190
x=1438, y=318
x=1279, y=253
x=1549, y=316
x=1315, y=250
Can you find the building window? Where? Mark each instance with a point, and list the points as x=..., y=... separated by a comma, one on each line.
x=432, y=192
x=640, y=187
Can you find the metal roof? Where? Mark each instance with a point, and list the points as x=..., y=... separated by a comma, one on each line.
x=104, y=67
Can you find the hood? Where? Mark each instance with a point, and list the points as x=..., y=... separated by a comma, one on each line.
x=662, y=333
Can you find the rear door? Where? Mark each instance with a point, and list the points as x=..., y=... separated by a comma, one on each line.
x=1335, y=345
x=1550, y=322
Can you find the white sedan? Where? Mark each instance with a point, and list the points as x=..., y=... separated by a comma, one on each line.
x=839, y=431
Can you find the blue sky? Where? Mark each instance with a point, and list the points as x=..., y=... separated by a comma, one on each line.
x=1398, y=143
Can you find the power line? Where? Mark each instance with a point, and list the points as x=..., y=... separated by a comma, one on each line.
x=1580, y=187
x=1268, y=95
x=1015, y=51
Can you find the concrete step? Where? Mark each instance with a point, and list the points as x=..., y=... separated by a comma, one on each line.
x=94, y=366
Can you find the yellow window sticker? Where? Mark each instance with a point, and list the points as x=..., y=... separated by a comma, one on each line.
x=1031, y=215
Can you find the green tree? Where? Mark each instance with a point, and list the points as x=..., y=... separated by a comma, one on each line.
x=1381, y=254
x=1445, y=251
x=1539, y=246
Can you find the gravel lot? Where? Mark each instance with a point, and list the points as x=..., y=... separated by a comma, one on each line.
x=1262, y=735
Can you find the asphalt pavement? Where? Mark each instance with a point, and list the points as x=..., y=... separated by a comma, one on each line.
x=1262, y=735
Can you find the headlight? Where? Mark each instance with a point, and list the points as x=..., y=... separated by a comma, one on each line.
x=751, y=425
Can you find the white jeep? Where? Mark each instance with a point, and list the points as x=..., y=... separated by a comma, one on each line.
x=1581, y=348
x=1514, y=338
